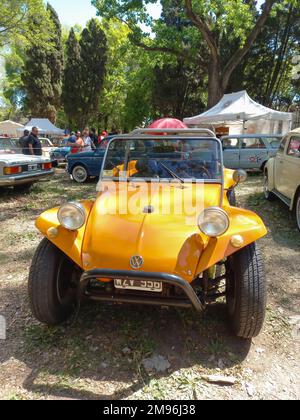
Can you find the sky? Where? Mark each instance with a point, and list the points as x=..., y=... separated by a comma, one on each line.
x=71, y=12
x=80, y=11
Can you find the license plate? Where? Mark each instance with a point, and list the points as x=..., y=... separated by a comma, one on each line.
x=146, y=285
x=32, y=168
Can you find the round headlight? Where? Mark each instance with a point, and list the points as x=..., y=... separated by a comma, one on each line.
x=71, y=216
x=213, y=221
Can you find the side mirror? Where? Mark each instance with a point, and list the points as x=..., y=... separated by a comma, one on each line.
x=239, y=176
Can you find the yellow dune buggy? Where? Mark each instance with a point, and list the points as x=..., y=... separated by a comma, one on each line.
x=163, y=230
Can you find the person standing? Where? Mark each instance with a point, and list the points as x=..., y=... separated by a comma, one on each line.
x=32, y=143
x=22, y=141
x=103, y=140
x=88, y=143
x=76, y=144
x=94, y=137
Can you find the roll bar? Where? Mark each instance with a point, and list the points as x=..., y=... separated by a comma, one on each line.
x=154, y=131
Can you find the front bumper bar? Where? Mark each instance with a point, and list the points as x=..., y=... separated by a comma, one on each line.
x=164, y=278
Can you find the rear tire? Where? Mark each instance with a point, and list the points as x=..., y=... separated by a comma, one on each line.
x=52, y=284
x=297, y=209
x=80, y=174
x=268, y=194
x=232, y=197
x=23, y=188
x=246, y=292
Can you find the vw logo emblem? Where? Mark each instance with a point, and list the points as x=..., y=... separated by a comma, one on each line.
x=136, y=262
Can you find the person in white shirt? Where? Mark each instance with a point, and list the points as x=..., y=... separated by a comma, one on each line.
x=88, y=143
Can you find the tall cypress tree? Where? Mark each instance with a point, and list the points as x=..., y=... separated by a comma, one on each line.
x=42, y=76
x=56, y=58
x=93, y=45
x=72, y=81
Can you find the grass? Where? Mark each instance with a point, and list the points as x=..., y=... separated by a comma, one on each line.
x=82, y=359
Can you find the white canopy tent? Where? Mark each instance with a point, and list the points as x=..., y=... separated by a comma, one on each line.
x=10, y=128
x=44, y=126
x=243, y=115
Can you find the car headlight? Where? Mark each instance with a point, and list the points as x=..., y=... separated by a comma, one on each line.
x=213, y=222
x=71, y=216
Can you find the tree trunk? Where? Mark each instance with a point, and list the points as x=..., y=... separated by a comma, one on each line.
x=215, y=89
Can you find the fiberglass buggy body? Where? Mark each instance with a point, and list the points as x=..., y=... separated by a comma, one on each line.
x=163, y=230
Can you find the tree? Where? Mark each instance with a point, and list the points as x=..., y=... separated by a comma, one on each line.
x=56, y=58
x=207, y=24
x=275, y=49
x=178, y=90
x=15, y=22
x=42, y=76
x=93, y=57
x=72, y=80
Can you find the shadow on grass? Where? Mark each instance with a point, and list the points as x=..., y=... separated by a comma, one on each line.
x=94, y=349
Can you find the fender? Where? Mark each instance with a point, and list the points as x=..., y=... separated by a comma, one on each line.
x=69, y=242
x=271, y=176
x=229, y=182
x=242, y=222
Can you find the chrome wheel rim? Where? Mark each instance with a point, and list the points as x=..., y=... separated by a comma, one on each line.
x=79, y=174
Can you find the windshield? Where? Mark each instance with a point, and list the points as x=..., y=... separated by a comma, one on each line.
x=8, y=146
x=179, y=159
x=274, y=142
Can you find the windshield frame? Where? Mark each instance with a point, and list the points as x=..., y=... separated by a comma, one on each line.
x=143, y=137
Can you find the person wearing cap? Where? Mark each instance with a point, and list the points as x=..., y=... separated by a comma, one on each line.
x=76, y=144
x=103, y=140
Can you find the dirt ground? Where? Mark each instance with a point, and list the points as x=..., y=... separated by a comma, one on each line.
x=100, y=355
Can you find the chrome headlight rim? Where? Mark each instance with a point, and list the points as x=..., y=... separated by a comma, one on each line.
x=81, y=211
x=205, y=213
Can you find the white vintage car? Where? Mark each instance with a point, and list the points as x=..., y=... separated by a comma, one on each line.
x=282, y=173
x=21, y=171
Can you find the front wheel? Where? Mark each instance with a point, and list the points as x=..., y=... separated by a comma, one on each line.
x=246, y=292
x=52, y=285
x=80, y=174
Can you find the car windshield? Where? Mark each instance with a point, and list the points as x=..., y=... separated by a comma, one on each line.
x=8, y=146
x=163, y=159
x=274, y=142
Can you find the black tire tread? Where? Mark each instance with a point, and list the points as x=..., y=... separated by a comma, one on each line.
x=251, y=304
x=43, y=304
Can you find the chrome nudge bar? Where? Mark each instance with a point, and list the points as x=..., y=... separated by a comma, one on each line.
x=170, y=279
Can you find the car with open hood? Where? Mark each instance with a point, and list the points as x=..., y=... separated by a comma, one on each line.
x=21, y=171
x=164, y=230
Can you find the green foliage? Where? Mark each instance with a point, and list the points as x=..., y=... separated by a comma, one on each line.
x=275, y=50
x=42, y=76
x=16, y=17
x=93, y=54
x=72, y=80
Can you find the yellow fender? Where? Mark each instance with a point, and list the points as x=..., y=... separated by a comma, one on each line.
x=69, y=242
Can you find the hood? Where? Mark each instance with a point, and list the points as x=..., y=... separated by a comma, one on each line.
x=14, y=159
x=157, y=227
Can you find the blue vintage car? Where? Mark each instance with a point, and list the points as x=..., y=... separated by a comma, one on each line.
x=249, y=151
x=59, y=154
x=85, y=165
